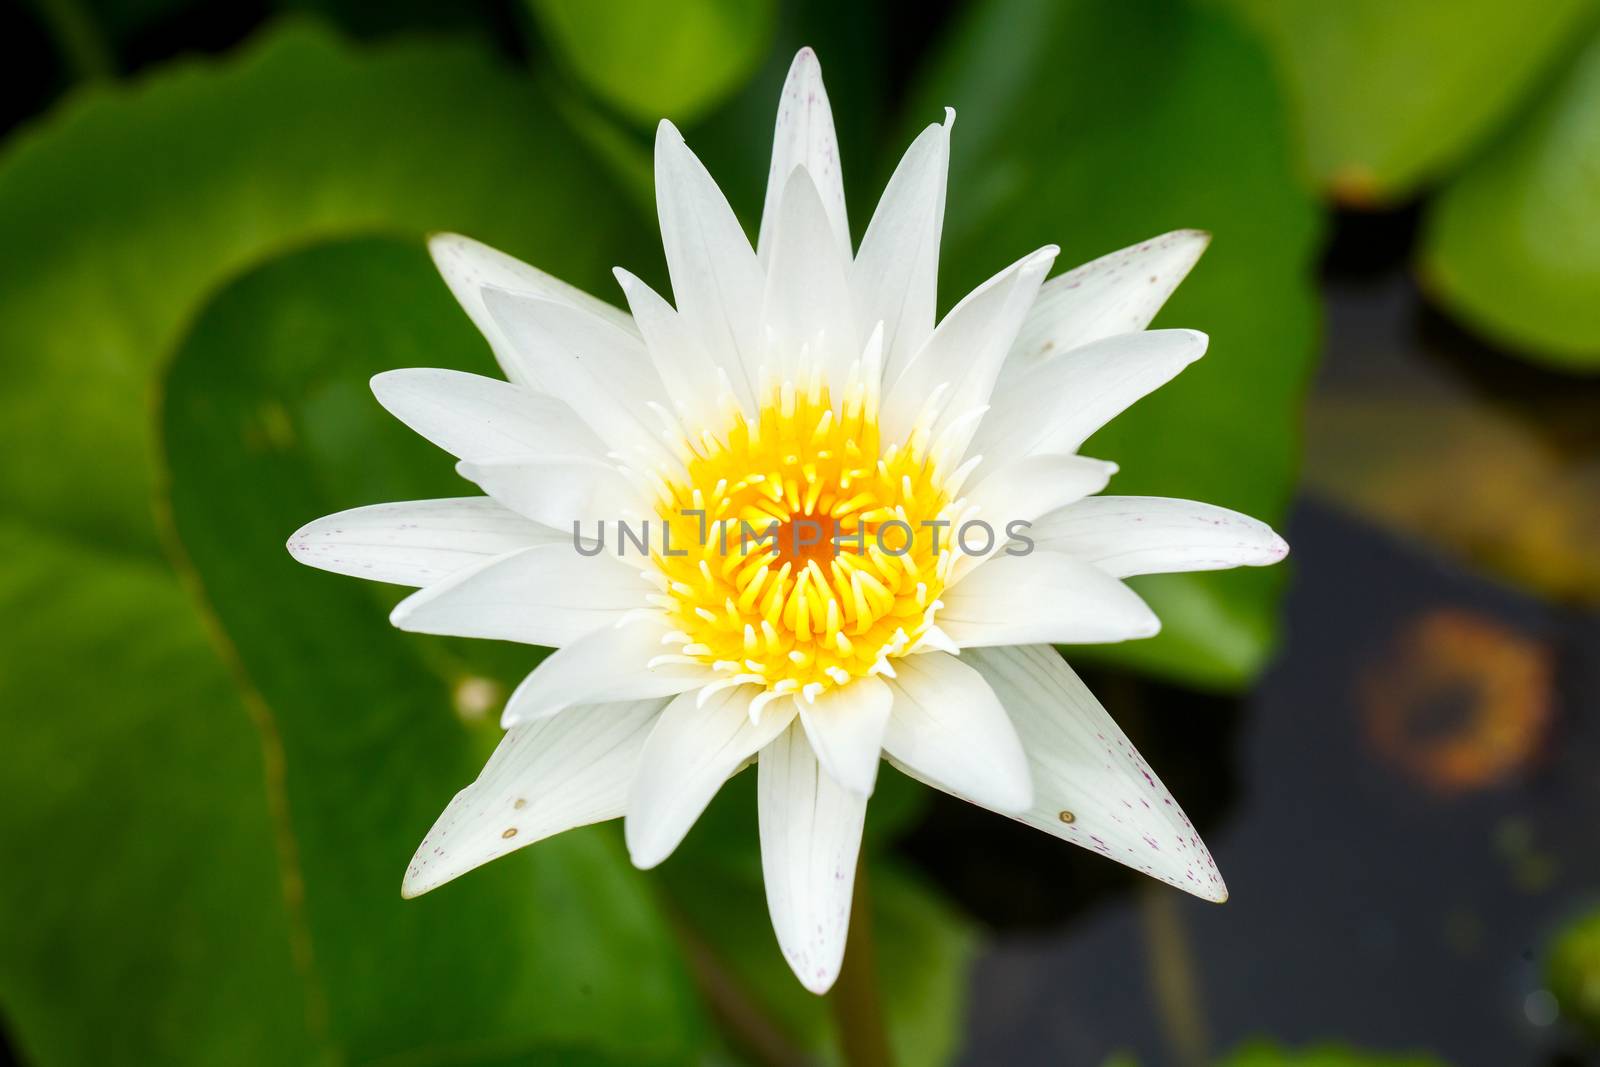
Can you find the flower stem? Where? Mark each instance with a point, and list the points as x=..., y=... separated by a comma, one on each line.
x=1169, y=962
x=1172, y=975
x=741, y=1017
x=856, y=1001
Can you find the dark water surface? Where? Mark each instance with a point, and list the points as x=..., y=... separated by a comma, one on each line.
x=1368, y=904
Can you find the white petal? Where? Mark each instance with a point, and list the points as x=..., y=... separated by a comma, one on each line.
x=1127, y=535
x=546, y=595
x=477, y=418
x=545, y=777
x=1056, y=406
x=610, y=664
x=688, y=373
x=807, y=302
x=810, y=839
x=964, y=354
x=947, y=727
x=716, y=279
x=896, y=274
x=1090, y=786
x=558, y=490
x=415, y=542
x=1043, y=597
x=693, y=749
x=468, y=266
x=845, y=726
x=1115, y=294
x=804, y=137
x=1009, y=499
x=1027, y=488
x=602, y=372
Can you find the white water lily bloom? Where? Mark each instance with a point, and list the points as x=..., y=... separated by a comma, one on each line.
x=932, y=531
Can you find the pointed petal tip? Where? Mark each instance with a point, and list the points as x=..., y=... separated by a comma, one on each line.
x=439, y=241
x=1193, y=235
x=1040, y=261
x=400, y=615
x=379, y=383
x=502, y=304
x=940, y=129
x=861, y=784
x=1199, y=342
x=1212, y=891
x=447, y=248
x=416, y=881
x=299, y=542
x=644, y=855
x=667, y=134
x=814, y=980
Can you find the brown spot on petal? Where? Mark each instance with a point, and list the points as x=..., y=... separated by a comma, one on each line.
x=1067, y=817
x=510, y=832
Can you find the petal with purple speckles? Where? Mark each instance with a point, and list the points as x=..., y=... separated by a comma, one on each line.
x=1090, y=786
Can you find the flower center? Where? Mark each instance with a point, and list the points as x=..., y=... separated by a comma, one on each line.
x=803, y=552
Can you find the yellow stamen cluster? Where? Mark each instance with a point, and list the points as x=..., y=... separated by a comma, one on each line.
x=814, y=562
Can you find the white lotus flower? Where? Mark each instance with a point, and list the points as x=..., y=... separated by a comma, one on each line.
x=797, y=382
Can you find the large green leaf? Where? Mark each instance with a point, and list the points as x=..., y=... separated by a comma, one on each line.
x=145, y=892
x=268, y=422
x=214, y=842
x=1107, y=124
x=1512, y=245
x=1391, y=93
x=128, y=207
x=652, y=60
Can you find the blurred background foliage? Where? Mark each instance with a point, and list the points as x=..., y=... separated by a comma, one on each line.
x=212, y=216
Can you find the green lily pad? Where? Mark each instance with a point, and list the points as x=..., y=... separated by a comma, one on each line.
x=214, y=855
x=651, y=60
x=128, y=207
x=152, y=899
x=1110, y=124
x=1512, y=245
x=1390, y=94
